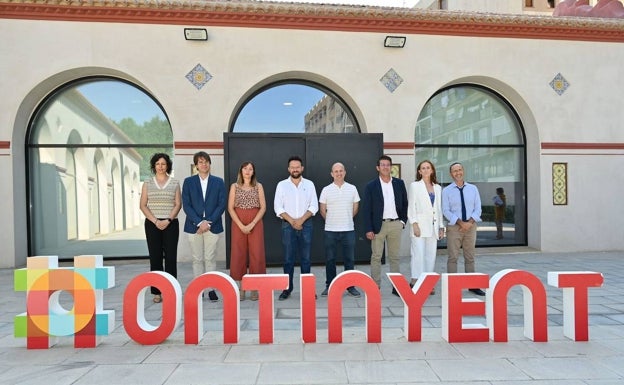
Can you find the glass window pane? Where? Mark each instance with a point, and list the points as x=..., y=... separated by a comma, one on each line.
x=467, y=115
x=89, y=153
x=86, y=201
x=481, y=165
x=294, y=108
x=134, y=112
x=501, y=168
x=475, y=127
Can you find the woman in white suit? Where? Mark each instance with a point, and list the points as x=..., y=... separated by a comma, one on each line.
x=424, y=213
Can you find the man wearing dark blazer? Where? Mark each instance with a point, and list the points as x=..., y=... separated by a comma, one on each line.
x=385, y=215
x=203, y=201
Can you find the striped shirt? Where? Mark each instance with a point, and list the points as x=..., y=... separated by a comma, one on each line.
x=161, y=201
x=339, y=206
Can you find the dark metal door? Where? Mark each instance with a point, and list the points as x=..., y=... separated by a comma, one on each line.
x=270, y=153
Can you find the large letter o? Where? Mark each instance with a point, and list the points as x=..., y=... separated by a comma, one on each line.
x=134, y=320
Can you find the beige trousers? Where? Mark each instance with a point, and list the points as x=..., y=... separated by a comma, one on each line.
x=455, y=240
x=204, y=251
x=390, y=233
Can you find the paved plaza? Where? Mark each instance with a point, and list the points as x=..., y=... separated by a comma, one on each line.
x=560, y=361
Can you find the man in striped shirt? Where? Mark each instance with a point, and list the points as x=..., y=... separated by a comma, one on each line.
x=338, y=205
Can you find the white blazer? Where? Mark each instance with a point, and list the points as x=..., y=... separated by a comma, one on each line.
x=419, y=209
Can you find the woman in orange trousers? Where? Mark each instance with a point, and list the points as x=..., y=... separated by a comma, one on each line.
x=246, y=206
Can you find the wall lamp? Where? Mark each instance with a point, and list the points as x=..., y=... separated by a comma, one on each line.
x=196, y=34
x=395, y=41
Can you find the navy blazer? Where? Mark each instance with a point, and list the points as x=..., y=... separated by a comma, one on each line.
x=198, y=209
x=373, y=205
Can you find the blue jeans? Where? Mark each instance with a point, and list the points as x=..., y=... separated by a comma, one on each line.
x=333, y=241
x=296, y=243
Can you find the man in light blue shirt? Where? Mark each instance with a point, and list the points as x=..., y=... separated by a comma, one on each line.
x=461, y=205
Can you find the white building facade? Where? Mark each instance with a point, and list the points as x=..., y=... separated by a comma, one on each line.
x=560, y=78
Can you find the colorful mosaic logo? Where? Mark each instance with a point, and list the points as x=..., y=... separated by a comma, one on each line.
x=45, y=317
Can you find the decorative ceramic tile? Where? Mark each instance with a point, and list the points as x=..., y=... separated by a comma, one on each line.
x=391, y=80
x=559, y=84
x=198, y=76
x=560, y=183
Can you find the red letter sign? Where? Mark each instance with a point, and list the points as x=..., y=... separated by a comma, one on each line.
x=414, y=300
x=134, y=320
x=193, y=309
x=334, y=305
x=453, y=330
x=307, y=302
x=575, y=284
x=265, y=284
x=534, y=299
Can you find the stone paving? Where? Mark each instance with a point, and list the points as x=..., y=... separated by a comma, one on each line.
x=120, y=360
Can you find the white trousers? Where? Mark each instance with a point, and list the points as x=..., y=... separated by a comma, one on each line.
x=423, y=252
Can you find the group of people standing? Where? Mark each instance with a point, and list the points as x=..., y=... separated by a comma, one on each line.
x=203, y=199
x=387, y=209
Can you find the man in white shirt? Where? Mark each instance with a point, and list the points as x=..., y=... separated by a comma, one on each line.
x=385, y=216
x=295, y=203
x=338, y=204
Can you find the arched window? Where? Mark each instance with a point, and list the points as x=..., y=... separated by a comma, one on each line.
x=89, y=145
x=477, y=127
x=295, y=107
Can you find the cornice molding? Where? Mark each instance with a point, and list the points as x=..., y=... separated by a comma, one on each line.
x=257, y=14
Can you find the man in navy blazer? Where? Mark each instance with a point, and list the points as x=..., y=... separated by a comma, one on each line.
x=203, y=201
x=385, y=215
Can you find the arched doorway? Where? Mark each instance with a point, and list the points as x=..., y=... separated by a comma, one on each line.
x=477, y=127
x=299, y=117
